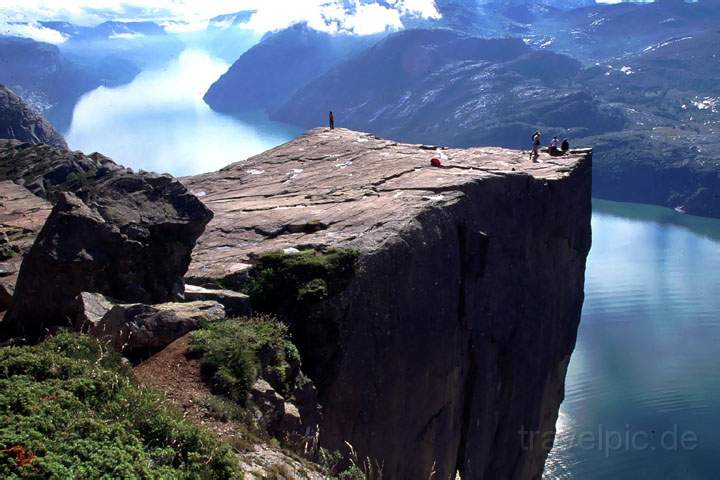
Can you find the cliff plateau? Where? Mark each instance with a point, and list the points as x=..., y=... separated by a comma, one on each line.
x=451, y=334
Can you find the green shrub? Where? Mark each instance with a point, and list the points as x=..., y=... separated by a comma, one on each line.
x=281, y=281
x=234, y=353
x=296, y=287
x=352, y=473
x=68, y=410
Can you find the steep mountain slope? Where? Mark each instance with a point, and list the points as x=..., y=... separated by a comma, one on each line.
x=670, y=151
x=43, y=77
x=653, y=116
x=439, y=86
x=50, y=81
x=267, y=74
x=605, y=31
x=18, y=121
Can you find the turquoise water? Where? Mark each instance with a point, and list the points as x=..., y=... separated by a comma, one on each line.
x=643, y=388
x=159, y=122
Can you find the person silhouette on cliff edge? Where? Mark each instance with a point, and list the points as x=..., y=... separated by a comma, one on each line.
x=332, y=121
x=536, y=138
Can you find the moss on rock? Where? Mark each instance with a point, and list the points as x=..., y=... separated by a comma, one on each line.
x=297, y=287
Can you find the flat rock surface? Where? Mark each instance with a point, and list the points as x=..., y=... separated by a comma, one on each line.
x=339, y=188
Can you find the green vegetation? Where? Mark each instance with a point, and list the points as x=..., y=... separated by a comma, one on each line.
x=69, y=410
x=282, y=281
x=295, y=287
x=337, y=465
x=224, y=410
x=234, y=353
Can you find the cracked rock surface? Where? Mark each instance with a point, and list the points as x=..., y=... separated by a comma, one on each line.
x=337, y=188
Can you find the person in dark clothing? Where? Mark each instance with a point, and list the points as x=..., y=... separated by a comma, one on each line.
x=565, y=146
x=332, y=121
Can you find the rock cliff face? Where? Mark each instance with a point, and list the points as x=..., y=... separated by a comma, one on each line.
x=19, y=121
x=452, y=336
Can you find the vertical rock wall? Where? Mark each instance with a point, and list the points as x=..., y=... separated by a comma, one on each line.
x=456, y=334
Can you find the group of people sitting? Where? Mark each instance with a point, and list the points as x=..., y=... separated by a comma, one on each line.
x=555, y=149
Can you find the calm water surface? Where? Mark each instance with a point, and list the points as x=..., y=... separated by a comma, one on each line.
x=159, y=122
x=643, y=387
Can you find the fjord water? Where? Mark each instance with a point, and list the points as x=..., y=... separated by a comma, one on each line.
x=643, y=387
x=160, y=123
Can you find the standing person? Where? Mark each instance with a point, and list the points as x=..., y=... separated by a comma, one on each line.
x=332, y=121
x=536, y=139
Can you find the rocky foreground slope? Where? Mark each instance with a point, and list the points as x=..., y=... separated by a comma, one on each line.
x=452, y=333
x=111, y=231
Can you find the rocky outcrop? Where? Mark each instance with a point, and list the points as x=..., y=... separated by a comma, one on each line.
x=136, y=329
x=236, y=304
x=296, y=421
x=22, y=215
x=46, y=170
x=454, y=330
x=125, y=235
x=19, y=121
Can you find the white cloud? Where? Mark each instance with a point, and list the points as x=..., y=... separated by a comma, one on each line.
x=361, y=17
x=373, y=18
x=31, y=30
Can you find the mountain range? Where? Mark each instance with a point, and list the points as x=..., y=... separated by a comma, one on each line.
x=648, y=102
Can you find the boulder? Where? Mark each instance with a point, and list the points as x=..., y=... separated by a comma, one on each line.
x=236, y=304
x=294, y=418
x=137, y=329
x=128, y=236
